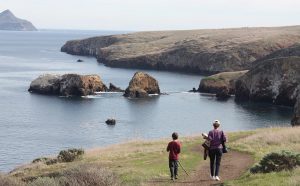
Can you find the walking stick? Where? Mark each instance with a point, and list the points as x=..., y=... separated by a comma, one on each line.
x=182, y=168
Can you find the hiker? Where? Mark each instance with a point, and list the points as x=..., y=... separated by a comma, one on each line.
x=174, y=149
x=216, y=138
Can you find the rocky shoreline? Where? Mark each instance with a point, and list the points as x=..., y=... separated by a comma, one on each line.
x=194, y=51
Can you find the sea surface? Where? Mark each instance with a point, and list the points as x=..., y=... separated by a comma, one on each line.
x=33, y=125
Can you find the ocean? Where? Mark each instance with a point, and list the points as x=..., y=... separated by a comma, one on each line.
x=33, y=125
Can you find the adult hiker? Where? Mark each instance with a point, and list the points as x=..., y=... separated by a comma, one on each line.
x=174, y=149
x=216, y=138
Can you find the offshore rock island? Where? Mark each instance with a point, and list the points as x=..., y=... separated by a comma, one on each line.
x=206, y=51
x=8, y=21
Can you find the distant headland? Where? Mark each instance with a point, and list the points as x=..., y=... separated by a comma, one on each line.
x=8, y=21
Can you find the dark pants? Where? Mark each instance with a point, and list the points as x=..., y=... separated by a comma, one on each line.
x=215, y=156
x=173, y=165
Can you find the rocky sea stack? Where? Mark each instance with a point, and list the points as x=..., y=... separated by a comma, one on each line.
x=67, y=85
x=207, y=51
x=8, y=21
x=141, y=85
x=275, y=79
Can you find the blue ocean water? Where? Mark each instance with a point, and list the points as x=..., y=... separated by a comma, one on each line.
x=34, y=125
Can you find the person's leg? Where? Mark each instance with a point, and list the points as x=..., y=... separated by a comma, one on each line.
x=212, y=162
x=218, y=161
x=171, y=166
x=176, y=168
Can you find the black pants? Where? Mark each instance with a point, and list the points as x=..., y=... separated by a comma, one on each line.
x=173, y=165
x=215, y=156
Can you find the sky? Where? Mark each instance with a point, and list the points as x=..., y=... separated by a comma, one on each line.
x=138, y=15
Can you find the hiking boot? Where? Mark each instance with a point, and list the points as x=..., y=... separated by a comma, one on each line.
x=173, y=179
x=212, y=178
x=217, y=178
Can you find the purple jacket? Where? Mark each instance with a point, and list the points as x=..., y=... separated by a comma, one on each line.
x=216, y=137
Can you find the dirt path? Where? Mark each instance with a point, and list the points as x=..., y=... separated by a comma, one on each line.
x=233, y=165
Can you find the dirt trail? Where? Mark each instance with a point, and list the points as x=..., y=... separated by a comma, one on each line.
x=233, y=165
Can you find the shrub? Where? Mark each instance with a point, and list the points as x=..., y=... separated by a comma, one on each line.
x=45, y=181
x=88, y=175
x=48, y=161
x=10, y=181
x=275, y=162
x=69, y=155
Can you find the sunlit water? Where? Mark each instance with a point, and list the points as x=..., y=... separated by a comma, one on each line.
x=34, y=125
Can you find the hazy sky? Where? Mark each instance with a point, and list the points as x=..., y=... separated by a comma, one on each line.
x=154, y=14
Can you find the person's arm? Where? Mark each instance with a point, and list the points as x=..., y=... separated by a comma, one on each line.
x=179, y=148
x=210, y=136
x=224, y=137
x=168, y=147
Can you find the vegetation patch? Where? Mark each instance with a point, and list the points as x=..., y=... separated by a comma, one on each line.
x=69, y=155
x=275, y=162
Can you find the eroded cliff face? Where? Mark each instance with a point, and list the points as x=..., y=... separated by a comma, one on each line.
x=275, y=80
x=219, y=82
x=199, y=51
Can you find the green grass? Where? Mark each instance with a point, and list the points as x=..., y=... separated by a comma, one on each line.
x=142, y=162
x=263, y=141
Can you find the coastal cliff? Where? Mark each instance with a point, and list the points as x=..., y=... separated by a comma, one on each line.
x=8, y=21
x=274, y=79
x=198, y=51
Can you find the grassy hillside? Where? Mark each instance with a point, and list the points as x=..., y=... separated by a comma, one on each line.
x=145, y=162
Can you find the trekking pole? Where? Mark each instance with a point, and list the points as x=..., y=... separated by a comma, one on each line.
x=182, y=168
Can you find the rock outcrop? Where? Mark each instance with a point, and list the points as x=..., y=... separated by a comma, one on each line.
x=201, y=51
x=8, y=21
x=67, y=85
x=114, y=88
x=275, y=80
x=220, y=83
x=141, y=85
x=296, y=117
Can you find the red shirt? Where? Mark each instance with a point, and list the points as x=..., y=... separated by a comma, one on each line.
x=174, y=149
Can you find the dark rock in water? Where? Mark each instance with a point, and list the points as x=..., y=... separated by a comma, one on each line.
x=67, y=85
x=197, y=51
x=223, y=94
x=296, y=117
x=79, y=60
x=275, y=80
x=113, y=88
x=216, y=83
x=8, y=21
x=141, y=85
x=193, y=90
x=110, y=121
x=46, y=84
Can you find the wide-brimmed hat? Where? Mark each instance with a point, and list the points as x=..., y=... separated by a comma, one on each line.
x=204, y=135
x=216, y=123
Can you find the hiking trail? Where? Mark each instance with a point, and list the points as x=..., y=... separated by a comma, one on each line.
x=233, y=165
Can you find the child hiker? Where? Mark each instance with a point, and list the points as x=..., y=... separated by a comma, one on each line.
x=174, y=150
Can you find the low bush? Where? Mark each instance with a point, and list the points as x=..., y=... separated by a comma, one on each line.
x=69, y=155
x=83, y=175
x=10, y=181
x=89, y=175
x=45, y=181
x=275, y=162
x=48, y=161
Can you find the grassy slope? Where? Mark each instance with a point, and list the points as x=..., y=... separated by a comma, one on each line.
x=143, y=161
